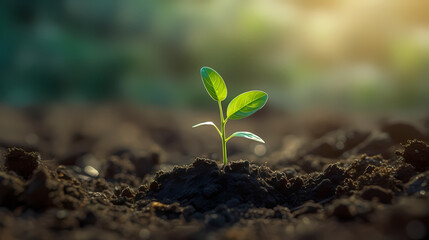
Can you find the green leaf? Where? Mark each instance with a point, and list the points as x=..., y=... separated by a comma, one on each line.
x=248, y=135
x=214, y=84
x=246, y=104
x=206, y=124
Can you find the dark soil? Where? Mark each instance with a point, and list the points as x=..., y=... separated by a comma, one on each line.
x=105, y=173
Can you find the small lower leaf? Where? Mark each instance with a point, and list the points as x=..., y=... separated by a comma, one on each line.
x=248, y=135
x=206, y=124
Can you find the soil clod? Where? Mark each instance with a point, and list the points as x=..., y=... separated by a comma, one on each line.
x=416, y=153
x=377, y=193
x=21, y=162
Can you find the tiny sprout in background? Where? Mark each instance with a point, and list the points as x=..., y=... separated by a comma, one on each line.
x=240, y=107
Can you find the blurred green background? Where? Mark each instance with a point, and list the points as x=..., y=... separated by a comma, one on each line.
x=341, y=54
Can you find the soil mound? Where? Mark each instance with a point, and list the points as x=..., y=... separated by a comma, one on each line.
x=205, y=186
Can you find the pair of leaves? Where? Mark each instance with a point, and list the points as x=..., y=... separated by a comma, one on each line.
x=247, y=135
x=241, y=106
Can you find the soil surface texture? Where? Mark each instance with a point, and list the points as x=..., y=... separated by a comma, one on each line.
x=115, y=172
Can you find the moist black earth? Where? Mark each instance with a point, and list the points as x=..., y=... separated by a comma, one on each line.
x=324, y=185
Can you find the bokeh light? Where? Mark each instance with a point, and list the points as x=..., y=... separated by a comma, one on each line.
x=342, y=54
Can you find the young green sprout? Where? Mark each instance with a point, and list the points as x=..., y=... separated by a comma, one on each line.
x=240, y=107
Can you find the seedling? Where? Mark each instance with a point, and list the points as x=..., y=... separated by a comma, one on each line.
x=240, y=107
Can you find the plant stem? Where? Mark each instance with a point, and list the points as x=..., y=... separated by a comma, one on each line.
x=223, y=123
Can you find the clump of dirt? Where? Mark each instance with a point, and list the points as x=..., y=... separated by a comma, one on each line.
x=46, y=189
x=205, y=186
x=416, y=153
x=21, y=162
x=11, y=188
x=418, y=185
x=400, y=132
x=377, y=193
x=348, y=209
x=335, y=143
